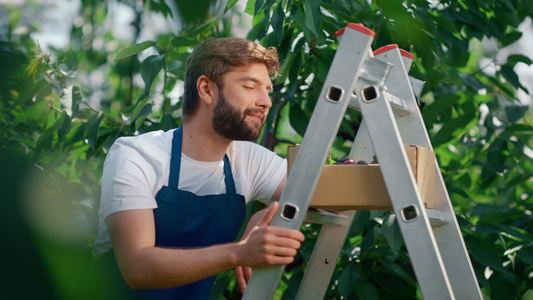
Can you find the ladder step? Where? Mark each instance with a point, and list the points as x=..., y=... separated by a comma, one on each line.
x=320, y=216
x=398, y=105
x=436, y=218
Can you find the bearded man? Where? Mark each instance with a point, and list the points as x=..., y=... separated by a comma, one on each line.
x=173, y=202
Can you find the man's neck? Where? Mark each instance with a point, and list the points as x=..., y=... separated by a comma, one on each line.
x=200, y=142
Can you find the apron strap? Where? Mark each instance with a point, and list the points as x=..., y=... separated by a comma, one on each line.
x=175, y=158
x=230, y=183
x=175, y=164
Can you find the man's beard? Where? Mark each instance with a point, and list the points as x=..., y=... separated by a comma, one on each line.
x=230, y=122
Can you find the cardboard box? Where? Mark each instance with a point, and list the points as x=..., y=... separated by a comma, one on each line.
x=361, y=187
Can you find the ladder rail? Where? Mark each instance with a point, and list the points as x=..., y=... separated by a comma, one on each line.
x=413, y=131
x=406, y=200
x=323, y=261
x=331, y=239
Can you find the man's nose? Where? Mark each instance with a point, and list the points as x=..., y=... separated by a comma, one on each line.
x=264, y=100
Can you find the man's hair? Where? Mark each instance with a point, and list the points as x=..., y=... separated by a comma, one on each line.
x=216, y=56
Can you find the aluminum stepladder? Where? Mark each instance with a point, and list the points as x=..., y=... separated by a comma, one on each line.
x=377, y=84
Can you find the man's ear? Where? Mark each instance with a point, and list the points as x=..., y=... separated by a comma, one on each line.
x=205, y=87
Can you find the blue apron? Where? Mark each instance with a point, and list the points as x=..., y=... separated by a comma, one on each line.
x=185, y=220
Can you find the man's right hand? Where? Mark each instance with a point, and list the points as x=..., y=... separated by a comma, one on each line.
x=266, y=245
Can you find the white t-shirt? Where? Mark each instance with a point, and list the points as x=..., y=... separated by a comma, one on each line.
x=136, y=168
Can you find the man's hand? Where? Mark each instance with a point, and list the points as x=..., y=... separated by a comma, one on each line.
x=266, y=245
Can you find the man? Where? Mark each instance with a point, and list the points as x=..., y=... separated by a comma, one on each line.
x=173, y=202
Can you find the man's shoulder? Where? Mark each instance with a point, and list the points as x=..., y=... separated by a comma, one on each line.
x=247, y=150
x=151, y=143
x=249, y=147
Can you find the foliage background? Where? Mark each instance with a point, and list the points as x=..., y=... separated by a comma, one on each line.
x=62, y=108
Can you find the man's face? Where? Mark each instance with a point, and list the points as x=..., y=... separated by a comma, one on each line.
x=230, y=122
x=243, y=103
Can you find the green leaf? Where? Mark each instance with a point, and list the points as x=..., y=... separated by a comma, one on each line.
x=472, y=82
x=459, y=191
x=27, y=114
x=528, y=295
x=91, y=130
x=526, y=254
x=453, y=130
x=150, y=68
x=392, y=233
x=199, y=29
x=313, y=16
x=278, y=19
x=301, y=19
x=298, y=119
x=31, y=91
x=485, y=255
x=76, y=100
x=515, y=112
x=347, y=279
x=258, y=5
x=193, y=12
x=481, y=209
x=63, y=129
x=392, y=267
x=518, y=234
x=177, y=68
x=110, y=140
x=219, y=286
x=139, y=119
x=445, y=23
x=511, y=38
x=509, y=74
x=167, y=123
x=358, y=224
x=366, y=290
x=249, y=9
x=161, y=7
x=138, y=108
x=138, y=48
x=285, y=67
x=181, y=41
x=442, y=103
x=260, y=26
x=230, y=5
x=294, y=71
x=391, y=282
x=512, y=60
x=503, y=285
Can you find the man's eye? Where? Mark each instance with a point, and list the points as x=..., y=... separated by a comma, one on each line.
x=248, y=87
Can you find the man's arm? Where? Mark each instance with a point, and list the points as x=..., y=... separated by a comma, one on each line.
x=277, y=193
x=145, y=266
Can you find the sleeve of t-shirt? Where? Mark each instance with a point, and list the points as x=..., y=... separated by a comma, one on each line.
x=266, y=170
x=128, y=180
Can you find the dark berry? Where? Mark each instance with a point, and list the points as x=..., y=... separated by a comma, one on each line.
x=345, y=161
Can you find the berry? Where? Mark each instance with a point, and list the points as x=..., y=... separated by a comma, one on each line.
x=345, y=161
x=362, y=162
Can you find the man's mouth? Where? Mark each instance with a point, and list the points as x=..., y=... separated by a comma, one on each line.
x=257, y=116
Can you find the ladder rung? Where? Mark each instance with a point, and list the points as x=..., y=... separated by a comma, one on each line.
x=398, y=105
x=320, y=216
x=436, y=218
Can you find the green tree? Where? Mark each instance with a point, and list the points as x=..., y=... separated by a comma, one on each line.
x=54, y=136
